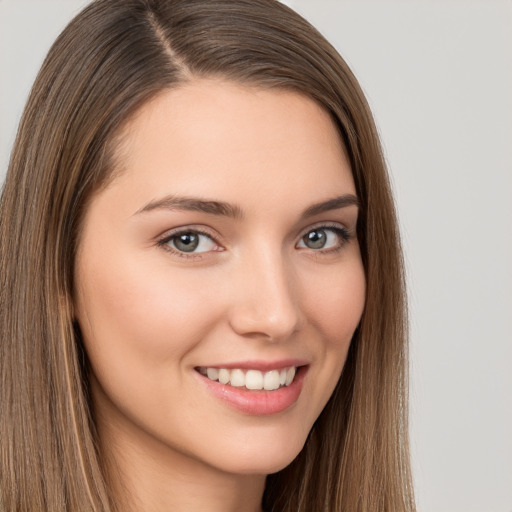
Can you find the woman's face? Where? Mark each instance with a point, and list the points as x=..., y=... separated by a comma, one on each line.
x=225, y=250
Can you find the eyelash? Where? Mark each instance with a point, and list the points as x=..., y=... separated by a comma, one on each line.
x=164, y=243
x=344, y=235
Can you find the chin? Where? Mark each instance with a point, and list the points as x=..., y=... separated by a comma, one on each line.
x=269, y=466
x=261, y=458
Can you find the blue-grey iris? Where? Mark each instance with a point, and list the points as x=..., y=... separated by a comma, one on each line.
x=315, y=239
x=187, y=242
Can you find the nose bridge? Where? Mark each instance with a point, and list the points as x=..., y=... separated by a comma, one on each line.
x=266, y=303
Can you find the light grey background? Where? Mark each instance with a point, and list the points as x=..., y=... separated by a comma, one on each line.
x=438, y=76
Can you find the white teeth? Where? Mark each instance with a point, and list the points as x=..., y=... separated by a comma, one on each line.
x=271, y=380
x=254, y=379
x=224, y=376
x=251, y=379
x=237, y=378
x=290, y=374
x=212, y=373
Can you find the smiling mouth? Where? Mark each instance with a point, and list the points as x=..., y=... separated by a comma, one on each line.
x=254, y=380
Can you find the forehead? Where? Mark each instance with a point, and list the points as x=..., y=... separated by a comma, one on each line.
x=216, y=138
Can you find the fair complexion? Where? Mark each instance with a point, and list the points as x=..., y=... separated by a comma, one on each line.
x=227, y=244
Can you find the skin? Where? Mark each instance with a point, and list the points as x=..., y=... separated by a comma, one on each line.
x=150, y=316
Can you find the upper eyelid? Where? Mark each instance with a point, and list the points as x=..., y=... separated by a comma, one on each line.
x=170, y=233
x=324, y=225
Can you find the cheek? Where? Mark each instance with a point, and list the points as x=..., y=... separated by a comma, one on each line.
x=140, y=312
x=141, y=325
x=336, y=305
x=334, y=309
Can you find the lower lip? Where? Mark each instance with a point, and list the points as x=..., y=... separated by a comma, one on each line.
x=258, y=403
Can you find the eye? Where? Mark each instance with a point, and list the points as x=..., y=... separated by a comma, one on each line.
x=325, y=238
x=189, y=242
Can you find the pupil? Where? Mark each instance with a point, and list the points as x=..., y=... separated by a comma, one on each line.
x=315, y=239
x=187, y=242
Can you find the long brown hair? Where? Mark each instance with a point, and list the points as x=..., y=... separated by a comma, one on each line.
x=109, y=61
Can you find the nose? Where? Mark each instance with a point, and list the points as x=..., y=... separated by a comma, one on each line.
x=265, y=303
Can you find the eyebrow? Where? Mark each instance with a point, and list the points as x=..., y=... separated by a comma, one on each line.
x=335, y=203
x=194, y=204
x=234, y=211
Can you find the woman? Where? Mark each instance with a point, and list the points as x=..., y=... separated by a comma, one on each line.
x=201, y=279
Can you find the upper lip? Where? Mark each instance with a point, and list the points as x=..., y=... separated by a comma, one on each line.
x=259, y=364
